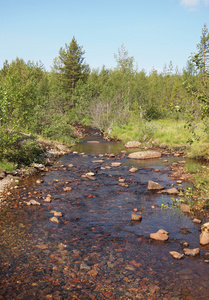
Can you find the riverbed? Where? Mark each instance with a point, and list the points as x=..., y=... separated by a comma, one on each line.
x=93, y=250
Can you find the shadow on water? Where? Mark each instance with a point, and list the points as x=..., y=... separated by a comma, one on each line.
x=96, y=251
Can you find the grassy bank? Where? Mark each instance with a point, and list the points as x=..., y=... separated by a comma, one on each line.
x=168, y=134
x=177, y=136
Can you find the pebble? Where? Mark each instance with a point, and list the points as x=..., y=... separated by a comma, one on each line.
x=54, y=220
x=191, y=252
x=135, y=217
x=197, y=221
x=116, y=164
x=33, y=202
x=67, y=189
x=176, y=254
x=133, y=170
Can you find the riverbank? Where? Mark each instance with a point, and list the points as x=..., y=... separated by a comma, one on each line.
x=51, y=150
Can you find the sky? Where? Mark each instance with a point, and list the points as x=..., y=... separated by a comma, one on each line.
x=154, y=32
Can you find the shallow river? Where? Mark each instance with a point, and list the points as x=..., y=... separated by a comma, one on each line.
x=96, y=251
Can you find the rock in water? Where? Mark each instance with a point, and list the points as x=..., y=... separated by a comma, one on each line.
x=33, y=202
x=116, y=164
x=191, y=252
x=152, y=185
x=133, y=170
x=172, y=191
x=176, y=254
x=185, y=208
x=160, y=235
x=204, y=236
x=54, y=220
x=135, y=217
x=205, y=227
x=145, y=155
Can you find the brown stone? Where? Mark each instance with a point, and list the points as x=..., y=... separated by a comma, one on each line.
x=116, y=164
x=93, y=142
x=132, y=144
x=172, y=191
x=145, y=155
x=133, y=170
x=204, y=238
x=54, y=220
x=205, y=227
x=67, y=189
x=191, y=252
x=152, y=185
x=160, y=235
x=135, y=217
x=185, y=208
x=197, y=221
x=176, y=254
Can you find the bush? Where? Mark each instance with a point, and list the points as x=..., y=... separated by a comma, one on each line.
x=18, y=148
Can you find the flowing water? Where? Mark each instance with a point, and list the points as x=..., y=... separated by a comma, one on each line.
x=96, y=251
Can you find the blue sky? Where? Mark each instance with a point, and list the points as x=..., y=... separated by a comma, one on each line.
x=154, y=32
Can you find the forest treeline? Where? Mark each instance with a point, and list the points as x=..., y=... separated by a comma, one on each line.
x=50, y=103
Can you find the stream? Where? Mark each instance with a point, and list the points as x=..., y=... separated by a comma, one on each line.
x=96, y=251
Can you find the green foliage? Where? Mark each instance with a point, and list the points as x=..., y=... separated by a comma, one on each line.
x=18, y=148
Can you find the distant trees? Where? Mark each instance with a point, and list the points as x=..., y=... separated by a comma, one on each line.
x=49, y=102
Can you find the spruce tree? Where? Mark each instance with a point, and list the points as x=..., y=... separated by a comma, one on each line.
x=72, y=66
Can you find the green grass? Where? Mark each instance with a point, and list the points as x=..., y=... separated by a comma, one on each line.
x=166, y=133
x=7, y=166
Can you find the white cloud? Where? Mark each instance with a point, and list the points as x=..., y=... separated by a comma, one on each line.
x=193, y=4
x=190, y=3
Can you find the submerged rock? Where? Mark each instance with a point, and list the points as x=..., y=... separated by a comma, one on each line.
x=145, y=155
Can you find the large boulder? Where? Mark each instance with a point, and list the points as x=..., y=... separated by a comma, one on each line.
x=204, y=236
x=144, y=155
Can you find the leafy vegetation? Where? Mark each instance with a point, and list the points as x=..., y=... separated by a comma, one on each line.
x=168, y=109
